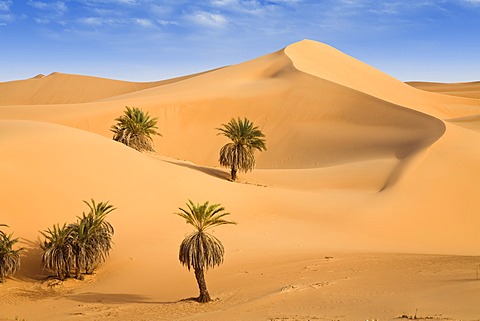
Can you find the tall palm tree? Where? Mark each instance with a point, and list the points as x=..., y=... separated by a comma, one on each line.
x=9, y=258
x=201, y=250
x=239, y=154
x=58, y=252
x=92, y=237
x=135, y=129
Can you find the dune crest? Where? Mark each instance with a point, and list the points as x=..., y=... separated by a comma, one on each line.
x=59, y=88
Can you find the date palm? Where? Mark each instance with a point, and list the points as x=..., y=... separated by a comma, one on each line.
x=135, y=129
x=9, y=258
x=58, y=252
x=201, y=250
x=92, y=237
x=239, y=154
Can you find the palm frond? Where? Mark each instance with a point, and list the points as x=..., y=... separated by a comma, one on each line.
x=9, y=257
x=201, y=250
x=135, y=129
x=58, y=255
x=204, y=216
x=246, y=138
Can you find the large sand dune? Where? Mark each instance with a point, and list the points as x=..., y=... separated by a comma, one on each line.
x=357, y=163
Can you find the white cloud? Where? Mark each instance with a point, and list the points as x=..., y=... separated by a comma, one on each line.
x=58, y=7
x=112, y=2
x=167, y=23
x=96, y=21
x=209, y=19
x=6, y=18
x=222, y=3
x=146, y=23
x=5, y=5
x=473, y=2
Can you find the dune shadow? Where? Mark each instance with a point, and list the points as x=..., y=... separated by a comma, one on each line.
x=119, y=298
x=218, y=173
x=31, y=261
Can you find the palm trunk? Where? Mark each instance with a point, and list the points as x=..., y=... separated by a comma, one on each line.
x=234, y=173
x=202, y=286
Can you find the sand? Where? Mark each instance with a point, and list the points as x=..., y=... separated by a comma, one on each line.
x=364, y=207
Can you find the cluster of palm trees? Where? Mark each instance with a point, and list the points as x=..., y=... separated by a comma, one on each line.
x=81, y=246
x=9, y=257
x=135, y=129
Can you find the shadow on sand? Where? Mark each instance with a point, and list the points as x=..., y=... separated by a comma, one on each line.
x=31, y=261
x=207, y=170
x=119, y=298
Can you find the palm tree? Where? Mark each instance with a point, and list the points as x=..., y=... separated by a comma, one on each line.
x=92, y=237
x=80, y=246
x=201, y=250
x=239, y=154
x=58, y=253
x=9, y=258
x=135, y=129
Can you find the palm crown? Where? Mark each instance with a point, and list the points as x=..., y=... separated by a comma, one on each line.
x=135, y=129
x=9, y=258
x=239, y=154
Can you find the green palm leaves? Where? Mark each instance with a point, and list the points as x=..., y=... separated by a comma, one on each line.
x=239, y=154
x=135, y=129
x=58, y=255
x=92, y=237
x=201, y=250
x=9, y=258
x=80, y=246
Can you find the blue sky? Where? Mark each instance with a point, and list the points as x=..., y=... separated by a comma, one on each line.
x=144, y=40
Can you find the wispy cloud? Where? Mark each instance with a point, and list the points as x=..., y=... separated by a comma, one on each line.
x=109, y=2
x=5, y=5
x=209, y=19
x=6, y=16
x=57, y=6
x=472, y=2
x=146, y=23
x=96, y=21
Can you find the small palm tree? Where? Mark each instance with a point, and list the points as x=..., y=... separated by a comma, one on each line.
x=92, y=237
x=9, y=258
x=80, y=246
x=58, y=253
x=239, y=154
x=135, y=129
x=201, y=250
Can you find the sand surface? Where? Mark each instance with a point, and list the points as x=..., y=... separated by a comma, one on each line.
x=360, y=170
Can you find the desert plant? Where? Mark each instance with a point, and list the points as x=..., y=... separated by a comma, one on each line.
x=9, y=258
x=135, y=129
x=201, y=250
x=92, y=237
x=80, y=246
x=239, y=154
x=58, y=254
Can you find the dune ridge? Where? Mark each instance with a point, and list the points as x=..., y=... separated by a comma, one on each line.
x=358, y=165
x=465, y=89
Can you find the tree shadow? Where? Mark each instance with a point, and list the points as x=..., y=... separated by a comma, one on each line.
x=120, y=298
x=31, y=261
x=218, y=173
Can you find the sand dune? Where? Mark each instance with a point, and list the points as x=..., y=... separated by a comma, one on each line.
x=59, y=88
x=466, y=89
x=358, y=164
